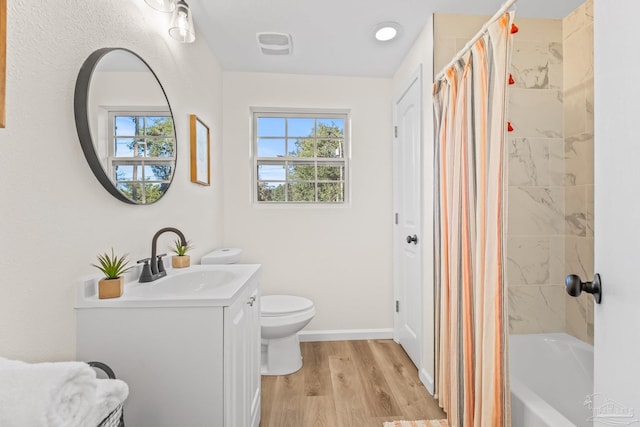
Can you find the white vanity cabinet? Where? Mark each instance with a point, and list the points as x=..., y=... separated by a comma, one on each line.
x=242, y=360
x=190, y=360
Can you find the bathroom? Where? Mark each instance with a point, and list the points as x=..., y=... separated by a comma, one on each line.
x=57, y=217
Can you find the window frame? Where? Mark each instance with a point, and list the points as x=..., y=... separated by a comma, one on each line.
x=141, y=161
x=287, y=161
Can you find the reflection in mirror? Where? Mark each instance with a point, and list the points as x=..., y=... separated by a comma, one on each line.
x=125, y=126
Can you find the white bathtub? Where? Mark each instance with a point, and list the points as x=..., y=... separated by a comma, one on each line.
x=551, y=377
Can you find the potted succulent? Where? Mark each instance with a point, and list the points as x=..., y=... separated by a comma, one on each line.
x=113, y=267
x=180, y=259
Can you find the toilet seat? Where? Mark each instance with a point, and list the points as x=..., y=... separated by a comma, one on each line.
x=283, y=305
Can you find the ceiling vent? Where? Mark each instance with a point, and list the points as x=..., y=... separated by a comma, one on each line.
x=275, y=43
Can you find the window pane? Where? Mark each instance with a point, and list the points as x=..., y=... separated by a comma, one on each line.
x=129, y=190
x=159, y=126
x=271, y=126
x=330, y=173
x=301, y=127
x=160, y=147
x=302, y=172
x=271, y=147
x=332, y=128
x=159, y=172
x=331, y=192
x=330, y=148
x=125, y=126
x=124, y=147
x=124, y=172
x=153, y=192
x=271, y=191
x=271, y=173
x=301, y=147
x=302, y=192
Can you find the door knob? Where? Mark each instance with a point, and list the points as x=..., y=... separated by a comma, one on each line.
x=412, y=239
x=575, y=286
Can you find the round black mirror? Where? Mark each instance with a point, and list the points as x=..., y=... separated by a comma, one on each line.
x=125, y=125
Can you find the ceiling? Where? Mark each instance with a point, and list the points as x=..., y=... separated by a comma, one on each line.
x=334, y=37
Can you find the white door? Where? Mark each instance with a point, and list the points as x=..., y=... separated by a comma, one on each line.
x=617, y=208
x=408, y=240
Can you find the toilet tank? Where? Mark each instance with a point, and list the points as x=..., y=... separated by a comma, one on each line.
x=222, y=256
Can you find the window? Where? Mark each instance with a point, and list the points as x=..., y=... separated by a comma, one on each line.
x=141, y=153
x=300, y=157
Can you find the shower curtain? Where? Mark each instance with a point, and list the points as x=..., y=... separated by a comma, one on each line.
x=472, y=382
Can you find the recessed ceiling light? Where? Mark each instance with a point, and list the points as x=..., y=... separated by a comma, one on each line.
x=386, y=31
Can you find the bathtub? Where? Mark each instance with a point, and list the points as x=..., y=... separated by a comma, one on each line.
x=551, y=377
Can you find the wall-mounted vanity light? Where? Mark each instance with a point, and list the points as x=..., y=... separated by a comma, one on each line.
x=162, y=5
x=181, y=27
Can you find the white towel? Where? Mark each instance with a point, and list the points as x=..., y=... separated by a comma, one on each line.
x=59, y=394
x=109, y=394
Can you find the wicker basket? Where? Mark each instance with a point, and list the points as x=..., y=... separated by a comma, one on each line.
x=115, y=418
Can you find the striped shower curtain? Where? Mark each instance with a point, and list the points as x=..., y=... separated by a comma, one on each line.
x=472, y=382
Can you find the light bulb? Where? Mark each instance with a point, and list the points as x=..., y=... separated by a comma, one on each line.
x=181, y=27
x=162, y=5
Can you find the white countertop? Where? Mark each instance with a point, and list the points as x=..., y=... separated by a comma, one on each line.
x=195, y=286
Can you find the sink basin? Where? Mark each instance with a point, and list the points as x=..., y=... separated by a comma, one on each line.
x=188, y=282
x=198, y=285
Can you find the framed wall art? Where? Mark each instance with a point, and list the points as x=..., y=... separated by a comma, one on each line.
x=200, y=152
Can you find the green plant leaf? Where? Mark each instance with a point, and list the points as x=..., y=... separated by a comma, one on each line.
x=179, y=249
x=112, y=266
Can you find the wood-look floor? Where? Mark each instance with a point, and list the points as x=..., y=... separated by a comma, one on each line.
x=347, y=384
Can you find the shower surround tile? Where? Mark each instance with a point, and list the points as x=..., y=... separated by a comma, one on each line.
x=547, y=120
x=575, y=111
x=575, y=205
x=590, y=210
x=577, y=312
x=578, y=256
x=579, y=161
x=536, y=162
x=578, y=64
x=536, y=211
x=573, y=22
x=528, y=162
x=536, y=309
x=527, y=260
x=579, y=167
x=539, y=30
x=537, y=65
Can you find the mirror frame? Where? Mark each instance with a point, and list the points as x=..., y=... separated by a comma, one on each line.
x=81, y=112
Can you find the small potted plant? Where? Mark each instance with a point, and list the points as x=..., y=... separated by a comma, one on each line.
x=180, y=259
x=113, y=267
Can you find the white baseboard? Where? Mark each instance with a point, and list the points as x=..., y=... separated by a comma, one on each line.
x=427, y=381
x=346, y=335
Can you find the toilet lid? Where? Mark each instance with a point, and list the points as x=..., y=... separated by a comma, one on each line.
x=277, y=305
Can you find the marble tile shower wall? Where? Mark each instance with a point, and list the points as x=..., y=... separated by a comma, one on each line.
x=578, y=130
x=536, y=195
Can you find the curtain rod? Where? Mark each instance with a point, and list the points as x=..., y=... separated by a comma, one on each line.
x=470, y=43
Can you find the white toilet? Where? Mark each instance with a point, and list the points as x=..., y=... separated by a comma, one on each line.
x=281, y=318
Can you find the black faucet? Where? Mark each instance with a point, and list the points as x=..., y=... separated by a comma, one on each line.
x=156, y=269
